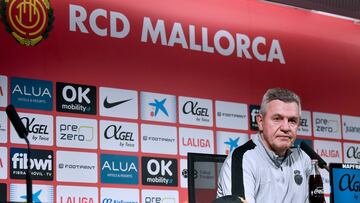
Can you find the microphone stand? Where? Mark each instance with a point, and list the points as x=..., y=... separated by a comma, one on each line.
x=29, y=197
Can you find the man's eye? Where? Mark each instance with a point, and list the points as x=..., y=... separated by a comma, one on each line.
x=293, y=122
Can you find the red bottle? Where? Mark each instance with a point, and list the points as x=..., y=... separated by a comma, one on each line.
x=316, y=189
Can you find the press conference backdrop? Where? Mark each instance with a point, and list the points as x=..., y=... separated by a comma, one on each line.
x=115, y=94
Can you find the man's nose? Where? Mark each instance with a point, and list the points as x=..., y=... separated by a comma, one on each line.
x=285, y=125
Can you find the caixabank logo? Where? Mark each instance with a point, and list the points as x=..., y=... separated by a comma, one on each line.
x=159, y=171
x=75, y=98
x=41, y=164
x=29, y=22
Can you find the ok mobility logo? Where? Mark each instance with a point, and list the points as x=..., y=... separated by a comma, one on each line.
x=159, y=171
x=29, y=22
x=75, y=98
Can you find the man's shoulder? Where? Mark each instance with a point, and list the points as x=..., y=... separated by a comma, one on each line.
x=244, y=149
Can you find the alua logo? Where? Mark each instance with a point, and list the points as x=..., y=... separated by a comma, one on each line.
x=29, y=22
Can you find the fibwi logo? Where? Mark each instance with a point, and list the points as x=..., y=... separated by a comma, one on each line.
x=29, y=21
x=41, y=164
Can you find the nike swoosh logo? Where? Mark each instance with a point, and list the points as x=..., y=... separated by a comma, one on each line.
x=110, y=105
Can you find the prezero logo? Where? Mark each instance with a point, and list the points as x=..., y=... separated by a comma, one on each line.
x=75, y=98
x=159, y=171
x=41, y=164
x=326, y=125
x=76, y=132
x=160, y=196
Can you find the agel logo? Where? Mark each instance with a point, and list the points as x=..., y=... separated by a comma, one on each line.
x=159, y=171
x=41, y=164
x=75, y=98
x=31, y=94
x=29, y=22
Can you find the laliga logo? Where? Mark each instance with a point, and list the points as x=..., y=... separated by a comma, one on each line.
x=29, y=21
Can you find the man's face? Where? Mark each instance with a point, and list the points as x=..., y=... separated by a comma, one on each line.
x=279, y=125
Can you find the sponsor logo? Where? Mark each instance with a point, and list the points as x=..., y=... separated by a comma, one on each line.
x=113, y=104
x=41, y=193
x=40, y=128
x=76, y=194
x=232, y=144
x=205, y=175
x=3, y=91
x=160, y=196
x=159, y=139
x=184, y=173
x=76, y=132
x=326, y=125
x=196, y=140
x=75, y=98
x=119, y=103
x=351, y=127
x=76, y=166
x=195, y=111
x=226, y=142
x=231, y=115
x=330, y=153
x=254, y=110
x=113, y=131
x=3, y=127
x=3, y=163
x=159, y=171
x=3, y=192
x=351, y=153
x=41, y=164
x=349, y=182
x=305, y=124
x=31, y=94
x=119, y=169
x=158, y=107
x=29, y=22
x=119, y=136
x=119, y=195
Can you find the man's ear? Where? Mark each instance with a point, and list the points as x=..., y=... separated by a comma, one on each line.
x=259, y=121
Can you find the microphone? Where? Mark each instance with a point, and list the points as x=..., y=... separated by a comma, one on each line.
x=22, y=132
x=15, y=120
x=313, y=155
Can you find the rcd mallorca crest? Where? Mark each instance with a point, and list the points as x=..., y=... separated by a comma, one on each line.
x=29, y=21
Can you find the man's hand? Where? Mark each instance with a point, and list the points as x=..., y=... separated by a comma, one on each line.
x=243, y=200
